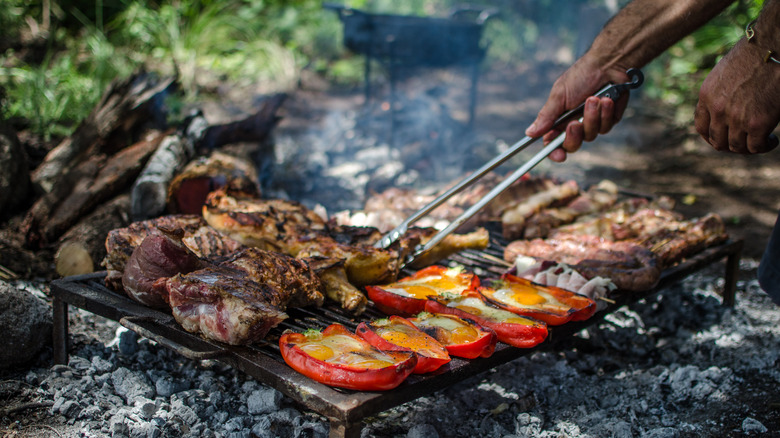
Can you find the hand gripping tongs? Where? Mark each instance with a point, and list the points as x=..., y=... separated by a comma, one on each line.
x=613, y=91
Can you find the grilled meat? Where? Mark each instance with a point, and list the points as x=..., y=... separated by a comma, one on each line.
x=337, y=287
x=609, y=224
x=236, y=300
x=203, y=240
x=594, y=200
x=291, y=228
x=630, y=266
x=221, y=304
x=513, y=219
x=656, y=227
x=158, y=257
x=240, y=299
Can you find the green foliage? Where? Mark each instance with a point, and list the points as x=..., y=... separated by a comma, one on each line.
x=270, y=42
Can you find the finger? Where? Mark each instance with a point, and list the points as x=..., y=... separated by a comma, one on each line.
x=607, y=115
x=550, y=136
x=558, y=155
x=591, y=118
x=738, y=141
x=620, y=107
x=760, y=144
x=575, y=133
x=701, y=119
x=719, y=136
x=547, y=115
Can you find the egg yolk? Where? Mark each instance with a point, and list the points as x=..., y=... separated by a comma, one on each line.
x=528, y=298
x=419, y=291
x=526, y=295
x=463, y=335
x=445, y=283
x=361, y=361
x=318, y=351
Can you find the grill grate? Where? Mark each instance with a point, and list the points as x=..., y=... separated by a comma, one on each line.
x=346, y=409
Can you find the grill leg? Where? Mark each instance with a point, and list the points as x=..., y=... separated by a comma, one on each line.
x=367, y=85
x=473, y=94
x=59, y=330
x=730, y=278
x=343, y=429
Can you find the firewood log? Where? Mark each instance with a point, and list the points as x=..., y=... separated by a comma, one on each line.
x=149, y=193
x=93, y=181
x=150, y=189
x=122, y=108
x=82, y=247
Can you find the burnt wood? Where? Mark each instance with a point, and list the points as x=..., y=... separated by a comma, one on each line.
x=345, y=409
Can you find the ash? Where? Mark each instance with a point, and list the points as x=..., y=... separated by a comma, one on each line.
x=675, y=365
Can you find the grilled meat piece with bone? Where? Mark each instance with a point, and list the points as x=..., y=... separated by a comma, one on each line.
x=630, y=266
x=240, y=299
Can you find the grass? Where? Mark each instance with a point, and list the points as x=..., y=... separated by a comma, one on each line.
x=270, y=42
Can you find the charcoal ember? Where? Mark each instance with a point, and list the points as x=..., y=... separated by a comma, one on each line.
x=130, y=385
x=263, y=401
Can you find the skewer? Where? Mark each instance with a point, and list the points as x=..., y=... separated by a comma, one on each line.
x=659, y=245
x=607, y=300
x=7, y=274
x=495, y=259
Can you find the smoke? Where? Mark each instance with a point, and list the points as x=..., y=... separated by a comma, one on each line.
x=412, y=127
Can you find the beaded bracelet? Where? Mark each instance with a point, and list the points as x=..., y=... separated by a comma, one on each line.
x=750, y=34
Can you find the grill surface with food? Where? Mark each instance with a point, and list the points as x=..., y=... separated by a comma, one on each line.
x=255, y=272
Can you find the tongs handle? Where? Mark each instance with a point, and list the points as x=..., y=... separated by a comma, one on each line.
x=613, y=91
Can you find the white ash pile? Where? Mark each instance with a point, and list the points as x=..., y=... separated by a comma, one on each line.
x=676, y=365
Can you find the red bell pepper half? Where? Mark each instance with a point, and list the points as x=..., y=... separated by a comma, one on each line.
x=461, y=337
x=340, y=358
x=407, y=296
x=511, y=328
x=550, y=304
x=398, y=334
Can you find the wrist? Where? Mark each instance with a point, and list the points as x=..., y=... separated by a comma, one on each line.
x=764, y=40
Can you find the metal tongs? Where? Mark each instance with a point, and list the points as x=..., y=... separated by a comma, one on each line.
x=613, y=91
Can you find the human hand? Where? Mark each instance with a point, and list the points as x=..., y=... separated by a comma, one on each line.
x=578, y=84
x=738, y=102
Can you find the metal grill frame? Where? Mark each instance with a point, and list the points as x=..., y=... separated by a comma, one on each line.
x=345, y=409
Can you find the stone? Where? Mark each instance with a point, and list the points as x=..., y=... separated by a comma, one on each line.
x=26, y=325
x=263, y=401
x=751, y=425
x=423, y=430
x=130, y=385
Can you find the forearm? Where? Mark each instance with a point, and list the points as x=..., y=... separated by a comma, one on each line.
x=646, y=28
x=767, y=29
